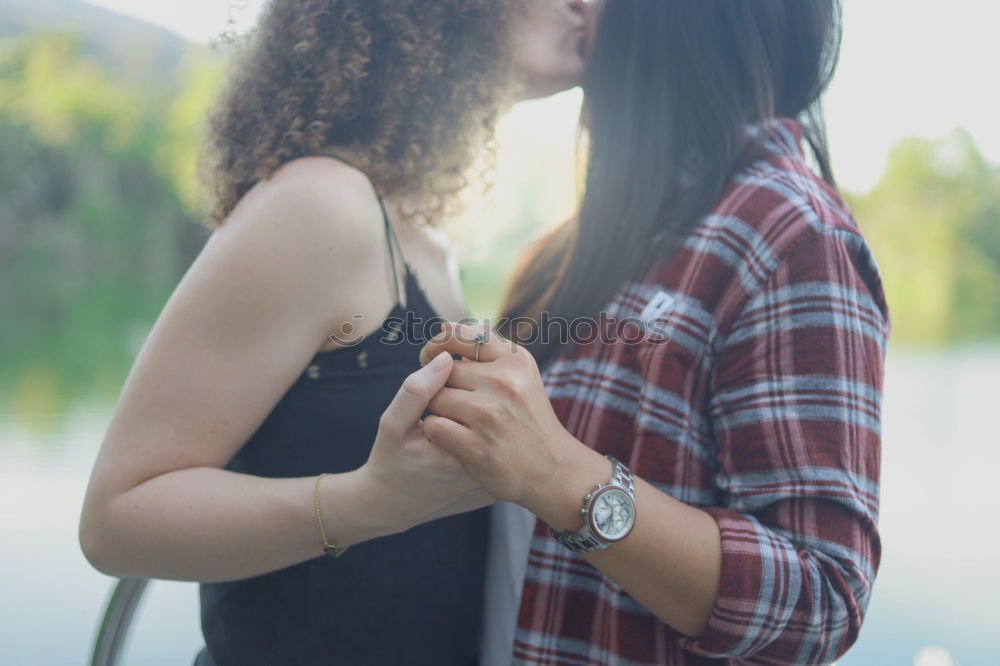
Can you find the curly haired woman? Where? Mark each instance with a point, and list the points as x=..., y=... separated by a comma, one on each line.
x=344, y=129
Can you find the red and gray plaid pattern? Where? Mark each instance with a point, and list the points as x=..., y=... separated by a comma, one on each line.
x=763, y=408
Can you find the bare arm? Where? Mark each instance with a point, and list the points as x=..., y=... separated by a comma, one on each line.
x=294, y=258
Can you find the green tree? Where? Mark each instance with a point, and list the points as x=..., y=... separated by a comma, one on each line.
x=933, y=221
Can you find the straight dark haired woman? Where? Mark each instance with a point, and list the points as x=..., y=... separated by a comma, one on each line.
x=692, y=476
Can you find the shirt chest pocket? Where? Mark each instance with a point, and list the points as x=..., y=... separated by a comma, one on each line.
x=676, y=334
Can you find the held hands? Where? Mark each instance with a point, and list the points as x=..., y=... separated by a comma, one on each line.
x=408, y=480
x=495, y=416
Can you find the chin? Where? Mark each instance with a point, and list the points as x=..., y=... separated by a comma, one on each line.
x=548, y=86
x=541, y=91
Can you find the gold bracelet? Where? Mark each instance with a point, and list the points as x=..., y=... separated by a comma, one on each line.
x=328, y=548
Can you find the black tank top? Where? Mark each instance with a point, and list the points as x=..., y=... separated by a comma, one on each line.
x=413, y=598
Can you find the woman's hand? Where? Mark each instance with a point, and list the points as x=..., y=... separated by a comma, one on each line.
x=495, y=416
x=407, y=480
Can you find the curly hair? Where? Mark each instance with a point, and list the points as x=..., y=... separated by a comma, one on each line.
x=409, y=88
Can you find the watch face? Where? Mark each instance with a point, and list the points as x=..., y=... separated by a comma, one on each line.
x=612, y=514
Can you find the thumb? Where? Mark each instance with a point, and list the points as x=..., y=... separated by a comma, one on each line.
x=415, y=394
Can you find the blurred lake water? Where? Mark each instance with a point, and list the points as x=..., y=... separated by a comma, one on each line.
x=933, y=596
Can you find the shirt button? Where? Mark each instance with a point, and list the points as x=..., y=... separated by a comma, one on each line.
x=363, y=359
x=313, y=371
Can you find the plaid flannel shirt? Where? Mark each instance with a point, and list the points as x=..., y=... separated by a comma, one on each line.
x=763, y=409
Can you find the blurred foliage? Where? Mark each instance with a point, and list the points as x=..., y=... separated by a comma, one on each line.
x=933, y=222
x=98, y=215
x=99, y=210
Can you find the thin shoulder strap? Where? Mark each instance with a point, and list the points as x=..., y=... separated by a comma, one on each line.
x=390, y=241
x=390, y=237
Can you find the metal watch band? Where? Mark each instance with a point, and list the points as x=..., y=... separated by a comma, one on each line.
x=585, y=540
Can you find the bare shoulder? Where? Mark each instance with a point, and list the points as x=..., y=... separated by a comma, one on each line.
x=310, y=237
x=312, y=201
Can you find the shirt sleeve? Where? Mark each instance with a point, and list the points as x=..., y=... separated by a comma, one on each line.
x=795, y=413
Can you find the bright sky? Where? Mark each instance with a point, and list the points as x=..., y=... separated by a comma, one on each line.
x=908, y=67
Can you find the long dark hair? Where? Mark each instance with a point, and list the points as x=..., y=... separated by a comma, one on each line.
x=671, y=88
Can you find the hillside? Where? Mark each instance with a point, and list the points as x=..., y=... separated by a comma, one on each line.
x=134, y=50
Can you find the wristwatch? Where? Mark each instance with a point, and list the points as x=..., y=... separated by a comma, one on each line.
x=608, y=513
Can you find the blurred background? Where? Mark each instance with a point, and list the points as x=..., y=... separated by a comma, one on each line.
x=100, y=110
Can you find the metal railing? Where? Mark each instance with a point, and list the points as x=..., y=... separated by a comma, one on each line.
x=117, y=621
